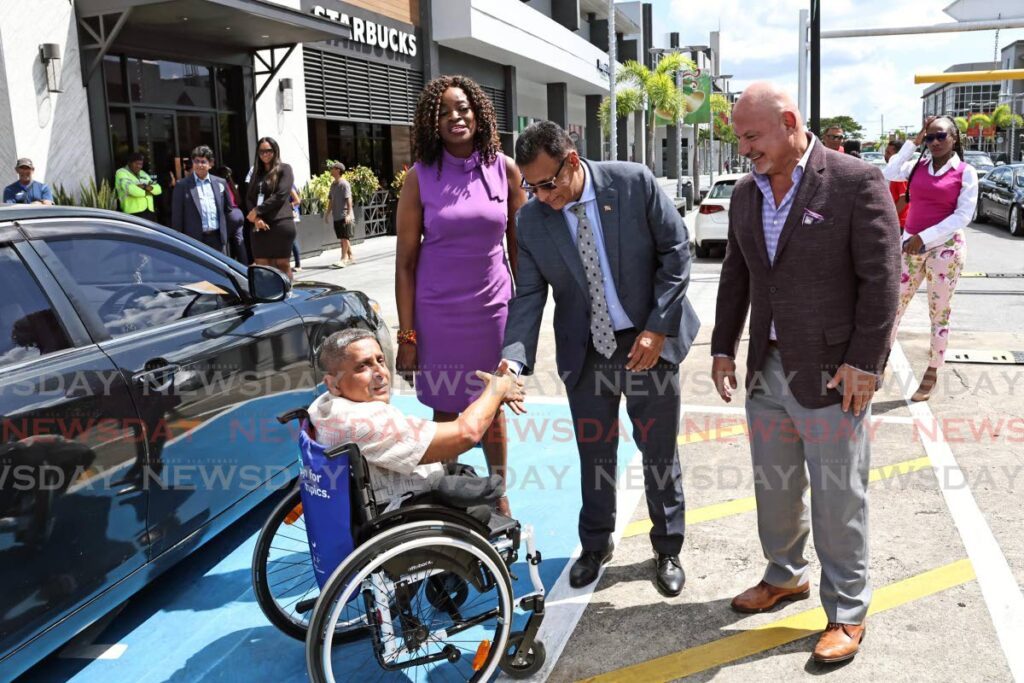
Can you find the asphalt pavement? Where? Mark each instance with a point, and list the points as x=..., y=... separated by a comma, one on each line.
x=947, y=538
x=947, y=548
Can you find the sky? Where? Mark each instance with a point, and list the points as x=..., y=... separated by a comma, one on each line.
x=870, y=79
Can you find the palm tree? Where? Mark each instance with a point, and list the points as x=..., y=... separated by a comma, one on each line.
x=983, y=122
x=961, y=124
x=1003, y=118
x=654, y=91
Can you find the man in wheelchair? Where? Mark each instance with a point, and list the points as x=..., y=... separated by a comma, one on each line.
x=409, y=459
x=430, y=586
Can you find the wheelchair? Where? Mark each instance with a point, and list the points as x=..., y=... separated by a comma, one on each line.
x=393, y=593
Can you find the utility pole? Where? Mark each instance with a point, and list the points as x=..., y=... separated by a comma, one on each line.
x=802, y=65
x=613, y=149
x=815, y=67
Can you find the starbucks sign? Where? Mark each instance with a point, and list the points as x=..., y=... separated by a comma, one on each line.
x=372, y=33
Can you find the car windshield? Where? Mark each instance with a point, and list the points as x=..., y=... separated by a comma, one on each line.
x=978, y=159
x=722, y=189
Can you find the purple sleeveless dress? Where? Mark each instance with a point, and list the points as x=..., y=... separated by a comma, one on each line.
x=463, y=282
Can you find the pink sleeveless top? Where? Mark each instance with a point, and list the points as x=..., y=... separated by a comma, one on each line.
x=933, y=198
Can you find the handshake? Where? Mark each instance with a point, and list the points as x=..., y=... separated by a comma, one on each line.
x=507, y=385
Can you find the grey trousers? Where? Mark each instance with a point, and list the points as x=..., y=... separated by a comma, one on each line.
x=793, y=447
x=652, y=403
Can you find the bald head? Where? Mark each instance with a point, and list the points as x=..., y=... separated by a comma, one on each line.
x=770, y=129
x=764, y=99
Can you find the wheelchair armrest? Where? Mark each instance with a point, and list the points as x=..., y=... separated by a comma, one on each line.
x=419, y=513
x=296, y=414
x=335, y=451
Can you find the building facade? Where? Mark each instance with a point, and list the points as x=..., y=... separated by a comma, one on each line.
x=329, y=80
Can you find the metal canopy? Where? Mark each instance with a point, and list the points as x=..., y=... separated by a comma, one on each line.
x=239, y=25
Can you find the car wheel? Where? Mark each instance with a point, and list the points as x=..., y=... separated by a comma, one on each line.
x=979, y=215
x=701, y=251
x=1016, y=229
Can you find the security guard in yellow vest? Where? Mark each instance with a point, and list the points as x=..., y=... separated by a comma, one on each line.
x=136, y=188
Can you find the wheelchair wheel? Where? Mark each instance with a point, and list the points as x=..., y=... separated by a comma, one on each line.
x=282, y=571
x=527, y=663
x=388, y=577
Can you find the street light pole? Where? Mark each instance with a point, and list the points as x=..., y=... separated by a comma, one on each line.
x=612, y=121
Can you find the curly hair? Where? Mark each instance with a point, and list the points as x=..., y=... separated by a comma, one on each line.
x=426, y=140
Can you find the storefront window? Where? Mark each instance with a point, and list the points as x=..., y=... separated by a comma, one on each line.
x=170, y=83
x=170, y=108
x=113, y=74
x=229, y=89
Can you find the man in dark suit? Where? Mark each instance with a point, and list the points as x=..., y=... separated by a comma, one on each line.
x=813, y=250
x=199, y=207
x=615, y=252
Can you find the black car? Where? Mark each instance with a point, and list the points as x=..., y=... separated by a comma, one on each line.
x=140, y=373
x=981, y=162
x=1001, y=197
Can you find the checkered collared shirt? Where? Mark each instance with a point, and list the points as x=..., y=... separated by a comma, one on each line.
x=773, y=217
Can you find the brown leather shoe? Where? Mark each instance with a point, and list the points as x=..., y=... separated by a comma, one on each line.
x=764, y=596
x=838, y=643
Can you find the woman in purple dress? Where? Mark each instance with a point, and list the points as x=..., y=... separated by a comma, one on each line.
x=453, y=281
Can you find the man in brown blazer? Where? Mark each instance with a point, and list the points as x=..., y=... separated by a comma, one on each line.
x=814, y=251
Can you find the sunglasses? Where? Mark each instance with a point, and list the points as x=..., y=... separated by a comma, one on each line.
x=547, y=184
x=266, y=151
x=836, y=137
x=932, y=137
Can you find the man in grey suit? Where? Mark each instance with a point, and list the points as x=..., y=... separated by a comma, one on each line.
x=199, y=206
x=813, y=250
x=615, y=253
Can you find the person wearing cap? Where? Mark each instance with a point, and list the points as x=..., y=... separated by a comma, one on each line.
x=339, y=211
x=136, y=188
x=25, y=190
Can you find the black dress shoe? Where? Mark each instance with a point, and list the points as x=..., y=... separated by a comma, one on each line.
x=670, y=576
x=584, y=571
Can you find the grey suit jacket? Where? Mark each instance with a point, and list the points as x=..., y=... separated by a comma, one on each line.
x=185, y=212
x=649, y=254
x=833, y=288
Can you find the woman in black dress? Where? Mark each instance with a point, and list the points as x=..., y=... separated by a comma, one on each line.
x=270, y=212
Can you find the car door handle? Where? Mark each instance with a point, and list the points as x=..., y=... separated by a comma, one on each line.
x=158, y=379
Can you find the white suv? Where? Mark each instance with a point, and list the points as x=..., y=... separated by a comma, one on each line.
x=712, y=224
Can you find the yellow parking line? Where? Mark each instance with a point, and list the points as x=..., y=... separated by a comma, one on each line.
x=785, y=630
x=741, y=505
x=712, y=434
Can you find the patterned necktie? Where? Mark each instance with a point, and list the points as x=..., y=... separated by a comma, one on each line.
x=600, y=322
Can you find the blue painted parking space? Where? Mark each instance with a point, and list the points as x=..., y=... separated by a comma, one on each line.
x=200, y=621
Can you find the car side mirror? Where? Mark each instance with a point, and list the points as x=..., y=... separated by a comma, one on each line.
x=267, y=284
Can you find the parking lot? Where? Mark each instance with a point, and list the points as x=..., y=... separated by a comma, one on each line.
x=947, y=560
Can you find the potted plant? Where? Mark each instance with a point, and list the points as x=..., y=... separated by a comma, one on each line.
x=364, y=185
x=396, y=189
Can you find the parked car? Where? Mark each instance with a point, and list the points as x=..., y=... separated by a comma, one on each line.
x=876, y=158
x=712, y=225
x=981, y=161
x=1001, y=197
x=140, y=373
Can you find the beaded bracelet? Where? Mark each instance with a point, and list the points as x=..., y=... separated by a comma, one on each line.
x=407, y=337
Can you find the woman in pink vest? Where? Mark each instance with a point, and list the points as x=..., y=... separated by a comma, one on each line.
x=942, y=191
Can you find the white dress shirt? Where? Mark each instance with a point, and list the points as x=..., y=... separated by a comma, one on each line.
x=899, y=167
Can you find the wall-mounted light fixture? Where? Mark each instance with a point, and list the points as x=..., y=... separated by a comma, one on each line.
x=49, y=53
x=287, y=101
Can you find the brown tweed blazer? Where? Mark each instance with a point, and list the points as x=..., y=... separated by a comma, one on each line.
x=834, y=286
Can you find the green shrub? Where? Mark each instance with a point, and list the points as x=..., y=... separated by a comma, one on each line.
x=398, y=181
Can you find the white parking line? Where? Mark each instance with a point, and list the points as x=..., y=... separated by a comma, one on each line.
x=999, y=587
x=94, y=651
x=564, y=605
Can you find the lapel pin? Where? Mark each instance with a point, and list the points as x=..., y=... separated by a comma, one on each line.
x=607, y=207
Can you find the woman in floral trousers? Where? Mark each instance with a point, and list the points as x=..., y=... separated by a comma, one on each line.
x=942, y=197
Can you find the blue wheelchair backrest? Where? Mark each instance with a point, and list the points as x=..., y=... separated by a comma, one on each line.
x=324, y=485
